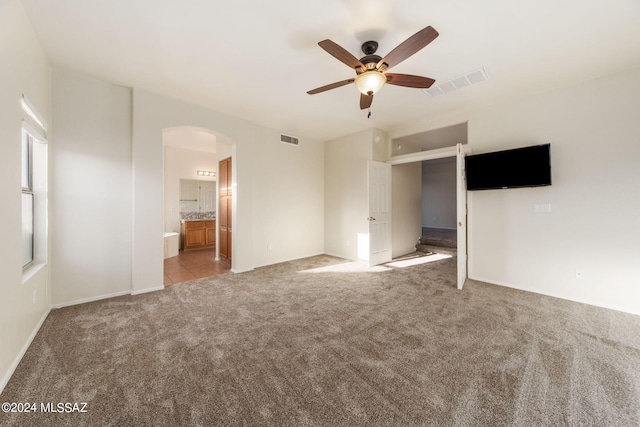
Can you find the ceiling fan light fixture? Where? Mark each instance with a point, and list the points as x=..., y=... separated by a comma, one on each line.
x=370, y=82
x=370, y=68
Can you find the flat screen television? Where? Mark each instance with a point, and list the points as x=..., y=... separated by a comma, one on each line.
x=520, y=167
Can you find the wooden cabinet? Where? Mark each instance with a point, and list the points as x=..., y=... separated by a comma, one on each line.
x=225, y=185
x=210, y=233
x=198, y=234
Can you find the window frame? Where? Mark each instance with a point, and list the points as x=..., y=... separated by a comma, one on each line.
x=34, y=183
x=27, y=151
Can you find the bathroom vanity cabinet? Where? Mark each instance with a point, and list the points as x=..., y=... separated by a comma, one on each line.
x=198, y=234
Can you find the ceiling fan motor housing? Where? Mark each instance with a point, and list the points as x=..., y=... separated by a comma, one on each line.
x=370, y=47
x=370, y=60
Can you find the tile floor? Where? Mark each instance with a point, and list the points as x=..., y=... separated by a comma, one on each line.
x=191, y=265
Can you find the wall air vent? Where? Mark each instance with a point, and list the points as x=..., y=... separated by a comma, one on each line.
x=468, y=79
x=288, y=139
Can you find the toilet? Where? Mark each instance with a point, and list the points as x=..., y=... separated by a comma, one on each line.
x=171, y=244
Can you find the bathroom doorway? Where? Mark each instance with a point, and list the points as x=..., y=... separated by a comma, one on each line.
x=190, y=210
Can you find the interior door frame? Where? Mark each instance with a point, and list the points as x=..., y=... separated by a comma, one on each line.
x=461, y=217
x=441, y=153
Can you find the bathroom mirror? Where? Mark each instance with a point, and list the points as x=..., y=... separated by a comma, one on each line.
x=197, y=196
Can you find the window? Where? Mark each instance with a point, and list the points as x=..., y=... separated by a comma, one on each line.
x=27, y=199
x=34, y=186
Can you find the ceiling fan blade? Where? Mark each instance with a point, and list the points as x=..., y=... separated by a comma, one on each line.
x=341, y=54
x=407, y=80
x=365, y=101
x=331, y=86
x=409, y=47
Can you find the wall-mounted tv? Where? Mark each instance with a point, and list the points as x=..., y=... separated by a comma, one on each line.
x=520, y=167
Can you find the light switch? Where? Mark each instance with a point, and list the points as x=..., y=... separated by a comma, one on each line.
x=542, y=207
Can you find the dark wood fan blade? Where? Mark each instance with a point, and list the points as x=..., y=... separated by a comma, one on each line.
x=341, y=54
x=331, y=86
x=408, y=80
x=365, y=101
x=409, y=47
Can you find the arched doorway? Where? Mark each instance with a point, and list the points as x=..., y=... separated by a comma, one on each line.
x=191, y=156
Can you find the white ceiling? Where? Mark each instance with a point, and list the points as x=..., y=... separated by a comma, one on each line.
x=257, y=59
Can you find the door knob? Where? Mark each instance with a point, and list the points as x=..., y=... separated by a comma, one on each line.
x=371, y=218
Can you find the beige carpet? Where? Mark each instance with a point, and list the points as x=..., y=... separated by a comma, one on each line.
x=321, y=342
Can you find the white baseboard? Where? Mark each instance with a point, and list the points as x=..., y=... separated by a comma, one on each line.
x=91, y=299
x=551, y=294
x=106, y=296
x=235, y=271
x=439, y=228
x=290, y=259
x=144, y=291
x=339, y=256
x=23, y=350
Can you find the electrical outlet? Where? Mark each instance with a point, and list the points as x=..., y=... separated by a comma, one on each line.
x=269, y=247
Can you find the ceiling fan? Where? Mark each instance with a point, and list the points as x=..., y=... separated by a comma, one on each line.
x=370, y=69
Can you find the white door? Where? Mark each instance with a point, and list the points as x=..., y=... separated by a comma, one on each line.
x=379, y=212
x=461, y=194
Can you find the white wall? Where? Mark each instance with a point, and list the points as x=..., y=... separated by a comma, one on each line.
x=439, y=193
x=288, y=192
x=380, y=149
x=593, y=129
x=406, y=205
x=152, y=114
x=25, y=70
x=442, y=137
x=90, y=189
x=182, y=164
x=288, y=222
x=345, y=193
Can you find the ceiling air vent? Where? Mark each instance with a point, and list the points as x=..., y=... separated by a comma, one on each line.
x=288, y=139
x=468, y=79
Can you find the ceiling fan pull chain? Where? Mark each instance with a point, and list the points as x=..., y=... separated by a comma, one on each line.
x=369, y=115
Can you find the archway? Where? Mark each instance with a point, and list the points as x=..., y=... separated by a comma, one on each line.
x=190, y=183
